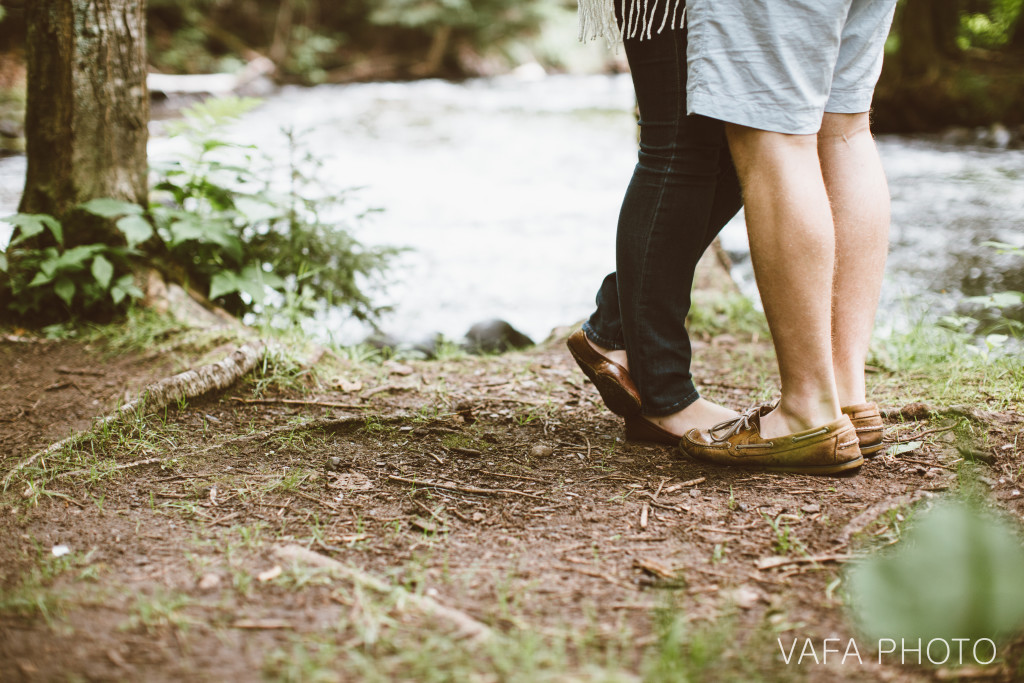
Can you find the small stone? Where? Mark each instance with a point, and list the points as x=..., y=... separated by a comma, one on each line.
x=541, y=451
x=270, y=574
x=61, y=550
x=478, y=516
x=811, y=508
x=694, y=493
x=209, y=582
x=746, y=597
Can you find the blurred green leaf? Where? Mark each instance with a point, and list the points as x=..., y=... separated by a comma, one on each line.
x=31, y=224
x=900, y=448
x=135, y=229
x=64, y=287
x=111, y=208
x=956, y=574
x=102, y=270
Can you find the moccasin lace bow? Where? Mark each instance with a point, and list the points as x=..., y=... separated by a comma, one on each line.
x=723, y=431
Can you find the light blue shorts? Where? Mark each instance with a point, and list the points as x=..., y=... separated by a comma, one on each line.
x=778, y=65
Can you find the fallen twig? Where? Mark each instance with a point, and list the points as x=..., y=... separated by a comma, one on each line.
x=917, y=437
x=467, y=625
x=925, y=463
x=598, y=575
x=464, y=489
x=326, y=424
x=924, y=411
x=298, y=402
x=127, y=465
x=512, y=476
x=861, y=521
x=773, y=562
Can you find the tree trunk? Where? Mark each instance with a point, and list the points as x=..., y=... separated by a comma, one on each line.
x=929, y=83
x=87, y=111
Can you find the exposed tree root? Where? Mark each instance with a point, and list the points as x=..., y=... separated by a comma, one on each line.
x=924, y=411
x=466, y=625
x=189, y=384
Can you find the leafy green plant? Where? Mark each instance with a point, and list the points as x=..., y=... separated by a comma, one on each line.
x=215, y=221
x=38, y=277
x=253, y=247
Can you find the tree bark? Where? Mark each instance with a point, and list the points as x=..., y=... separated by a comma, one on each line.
x=87, y=110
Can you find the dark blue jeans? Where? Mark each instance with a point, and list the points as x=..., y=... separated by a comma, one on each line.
x=684, y=189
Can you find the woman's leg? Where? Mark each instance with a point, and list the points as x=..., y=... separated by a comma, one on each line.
x=683, y=190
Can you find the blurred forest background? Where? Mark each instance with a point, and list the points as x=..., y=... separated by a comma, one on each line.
x=949, y=62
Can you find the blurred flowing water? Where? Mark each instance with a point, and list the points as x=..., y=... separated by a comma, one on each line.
x=507, y=191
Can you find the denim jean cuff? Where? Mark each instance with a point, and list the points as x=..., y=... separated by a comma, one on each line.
x=675, y=407
x=600, y=339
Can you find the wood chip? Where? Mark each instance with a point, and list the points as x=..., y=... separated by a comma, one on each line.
x=773, y=562
x=654, y=567
x=261, y=624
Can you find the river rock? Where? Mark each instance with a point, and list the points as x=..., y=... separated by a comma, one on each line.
x=495, y=336
x=427, y=346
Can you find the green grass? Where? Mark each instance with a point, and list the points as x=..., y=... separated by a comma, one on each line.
x=936, y=365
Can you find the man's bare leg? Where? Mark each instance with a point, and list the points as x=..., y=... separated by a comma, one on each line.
x=792, y=246
x=701, y=414
x=859, y=197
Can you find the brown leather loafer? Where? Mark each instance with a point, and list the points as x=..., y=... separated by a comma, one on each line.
x=868, y=422
x=829, y=449
x=639, y=428
x=611, y=379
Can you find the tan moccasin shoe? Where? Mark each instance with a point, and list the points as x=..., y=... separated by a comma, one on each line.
x=867, y=421
x=829, y=449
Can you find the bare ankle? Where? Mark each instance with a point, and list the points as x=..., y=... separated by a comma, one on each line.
x=702, y=414
x=795, y=415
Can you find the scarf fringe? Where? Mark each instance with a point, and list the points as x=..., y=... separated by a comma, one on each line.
x=641, y=19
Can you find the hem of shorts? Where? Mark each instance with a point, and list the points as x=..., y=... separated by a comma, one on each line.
x=599, y=339
x=851, y=101
x=743, y=113
x=675, y=407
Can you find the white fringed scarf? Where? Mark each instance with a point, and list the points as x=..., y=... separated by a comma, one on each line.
x=641, y=18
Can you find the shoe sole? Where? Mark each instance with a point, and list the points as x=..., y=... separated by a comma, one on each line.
x=650, y=433
x=615, y=396
x=837, y=468
x=871, y=450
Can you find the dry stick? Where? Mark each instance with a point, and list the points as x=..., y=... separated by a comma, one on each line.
x=925, y=463
x=512, y=476
x=869, y=515
x=924, y=411
x=66, y=497
x=464, y=489
x=190, y=384
x=298, y=402
x=127, y=465
x=773, y=562
x=325, y=424
x=915, y=437
x=467, y=625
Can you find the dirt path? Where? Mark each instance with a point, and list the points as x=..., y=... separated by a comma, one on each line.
x=498, y=488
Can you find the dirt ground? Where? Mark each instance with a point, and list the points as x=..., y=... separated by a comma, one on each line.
x=496, y=487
